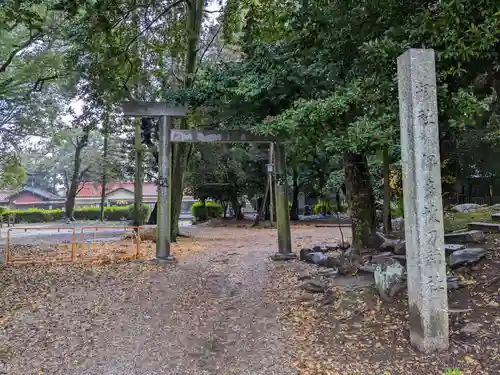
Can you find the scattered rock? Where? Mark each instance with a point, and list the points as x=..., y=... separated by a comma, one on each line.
x=466, y=257
x=318, y=249
x=450, y=248
x=471, y=328
x=459, y=311
x=466, y=207
x=304, y=254
x=348, y=268
x=401, y=259
x=398, y=224
x=328, y=272
x=381, y=257
x=471, y=236
x=366, y=267
x=486, y=227
x=454, y=283
x=349, y=253
x=478, y=266
x=389, y=278
x=318, y=258
x=495, y=207
x=383, y=243
x=314, y=286
x=331, y=247
x=332, y=262
x=344, y=245
x=304, y=276
x=280, y=256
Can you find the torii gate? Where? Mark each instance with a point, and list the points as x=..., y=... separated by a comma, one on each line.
x=166, y=112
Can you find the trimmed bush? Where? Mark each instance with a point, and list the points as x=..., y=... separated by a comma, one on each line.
x=38, y=215
x=201, y=213
x=321, y=207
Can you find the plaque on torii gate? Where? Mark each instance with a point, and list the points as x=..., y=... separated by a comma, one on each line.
x=166, y=112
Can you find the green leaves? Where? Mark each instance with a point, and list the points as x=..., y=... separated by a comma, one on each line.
x=12, y=173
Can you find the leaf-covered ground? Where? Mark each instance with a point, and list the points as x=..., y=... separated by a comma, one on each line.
x=209, y=314
x=225, y=308
x=358, y=334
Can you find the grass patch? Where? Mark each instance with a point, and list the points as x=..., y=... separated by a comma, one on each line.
x=454, y=221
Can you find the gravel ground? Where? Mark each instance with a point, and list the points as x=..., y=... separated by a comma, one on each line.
x=212, y=313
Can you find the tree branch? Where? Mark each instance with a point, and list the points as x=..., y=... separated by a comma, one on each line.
x=38, y=86
x=148, y=26
x=16, y=50
x=82, y=173
x=206, y=48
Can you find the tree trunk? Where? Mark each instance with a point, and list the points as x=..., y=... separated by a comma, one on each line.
x=138, y=204
x=181, y=152
x=337, y=201
x=260, y=208
x=69, y=207
x=294, y=214
x=152, y=216
x=261, y=204
x=238, y=215
x=387, y=193
x=361, y=199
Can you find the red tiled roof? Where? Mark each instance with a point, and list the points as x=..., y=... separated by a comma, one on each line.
x=90, y=189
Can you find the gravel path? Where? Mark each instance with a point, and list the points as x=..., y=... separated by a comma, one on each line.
x=209, y=314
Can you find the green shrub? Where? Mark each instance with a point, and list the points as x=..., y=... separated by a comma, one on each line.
x=38, y=215
x=322, y=206
x=201, y=213
x=397, y=207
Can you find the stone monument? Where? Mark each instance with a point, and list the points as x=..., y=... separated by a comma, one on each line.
x=423, y=207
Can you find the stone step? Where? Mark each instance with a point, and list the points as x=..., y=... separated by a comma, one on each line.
x=471, y=236
x=485, y=227
x=495, y=216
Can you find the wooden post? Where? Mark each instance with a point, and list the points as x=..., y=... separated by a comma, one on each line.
x=282, y=211
x=163, y=212
x=271, y=180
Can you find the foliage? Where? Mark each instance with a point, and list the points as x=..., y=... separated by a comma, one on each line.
x=37, y=215
x=203, y=212
x=454, y=221
x=397, y=207
x=453, y=371
x=13, y=174
x=322, y=207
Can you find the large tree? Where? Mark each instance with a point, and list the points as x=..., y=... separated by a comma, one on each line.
x=325, y=72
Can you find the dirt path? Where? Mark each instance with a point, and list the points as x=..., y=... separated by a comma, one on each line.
x=209, y=314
